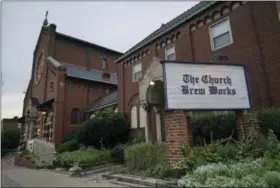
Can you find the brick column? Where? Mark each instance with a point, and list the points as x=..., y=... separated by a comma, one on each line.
x=247, y=123
x=177, y=133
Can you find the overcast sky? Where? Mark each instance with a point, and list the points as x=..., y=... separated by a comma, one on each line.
x=117, y=25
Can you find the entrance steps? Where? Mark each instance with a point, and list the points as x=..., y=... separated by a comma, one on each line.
x=136, y=181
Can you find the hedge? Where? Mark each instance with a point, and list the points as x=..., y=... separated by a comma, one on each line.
x=270, y=119
x=207, y=126
x=10, y=138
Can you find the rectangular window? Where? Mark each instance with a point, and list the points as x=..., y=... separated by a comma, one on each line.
x=104, y=63
x=137, y=72
x=220, y=34
x=170, y=53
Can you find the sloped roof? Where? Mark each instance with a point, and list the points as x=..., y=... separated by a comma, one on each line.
x=82, y=73
x=203, y=5
x=103, y=101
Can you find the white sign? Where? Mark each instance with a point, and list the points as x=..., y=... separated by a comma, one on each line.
x=205, y=86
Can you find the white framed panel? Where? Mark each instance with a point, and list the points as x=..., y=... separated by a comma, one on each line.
x=205, y=86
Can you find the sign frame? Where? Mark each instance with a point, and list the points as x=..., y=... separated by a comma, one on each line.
x=166, y=108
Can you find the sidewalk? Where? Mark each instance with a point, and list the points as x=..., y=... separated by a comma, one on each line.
x=42, y=178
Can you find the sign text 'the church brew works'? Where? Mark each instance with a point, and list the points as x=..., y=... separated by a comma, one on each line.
x=214, y=88
x=204, y=86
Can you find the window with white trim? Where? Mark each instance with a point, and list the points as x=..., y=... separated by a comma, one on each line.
x=220, y=34
x=133, y=117
x=143, y=117
x=170, y=53
x=137, y=72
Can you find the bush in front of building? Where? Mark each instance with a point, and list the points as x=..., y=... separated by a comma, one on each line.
x=69, y=136
x=208, y=126
x=83, y=157
x=144, y=156
x=10, y=139
x=69, y=146
x=107, y=129
x=270, y=119
x=117, y=154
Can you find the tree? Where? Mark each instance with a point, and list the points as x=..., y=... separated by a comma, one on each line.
x=10, y=138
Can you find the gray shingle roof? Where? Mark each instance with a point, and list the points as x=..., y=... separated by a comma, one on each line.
x=102, y=102
x=82, y=73
x=169, y=26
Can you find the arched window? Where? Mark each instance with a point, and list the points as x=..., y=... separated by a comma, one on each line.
x=133, y=117
x=143, y=117
x=75, y=116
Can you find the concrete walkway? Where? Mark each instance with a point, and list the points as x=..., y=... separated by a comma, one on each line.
x=13, y=176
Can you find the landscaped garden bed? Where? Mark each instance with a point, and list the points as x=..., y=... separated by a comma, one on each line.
x=30, y=160
x=216, y=159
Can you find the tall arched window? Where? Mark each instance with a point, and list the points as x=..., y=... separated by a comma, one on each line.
x=133, y=117
x=75, y=116
x=143, y=117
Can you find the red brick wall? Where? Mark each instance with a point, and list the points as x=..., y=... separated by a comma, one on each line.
x=83, y=55
x=177, y=130
x=69, y=51
x=43, y=44
x=267, y=24
x=246, y=48
x=81, y=96
x=9, y=123
x=51, y=78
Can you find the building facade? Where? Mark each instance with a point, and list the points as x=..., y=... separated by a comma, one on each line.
x=239, y=32
x=67, y=75
x=8, y=123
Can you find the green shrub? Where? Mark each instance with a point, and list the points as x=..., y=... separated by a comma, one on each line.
x=69, y=146
x=88, y=157
x=69, y=136
x=229, y=150
x=245, y=173
x=144, y=156
x=10, y=138
x=117, y=154
x=105, y=130
x=272, y=178
x=208, y=126
x=139, y=137
x=270, y=119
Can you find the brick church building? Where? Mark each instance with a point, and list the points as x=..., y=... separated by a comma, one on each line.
x=68, y=76
x=211, y=31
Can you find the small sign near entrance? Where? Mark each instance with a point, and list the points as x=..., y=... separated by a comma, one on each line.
x=205, y=86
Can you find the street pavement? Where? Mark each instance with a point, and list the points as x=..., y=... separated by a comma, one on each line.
x=13, y=176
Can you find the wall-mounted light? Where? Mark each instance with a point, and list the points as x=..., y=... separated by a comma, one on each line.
x=152, y=83
x=44, y=113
